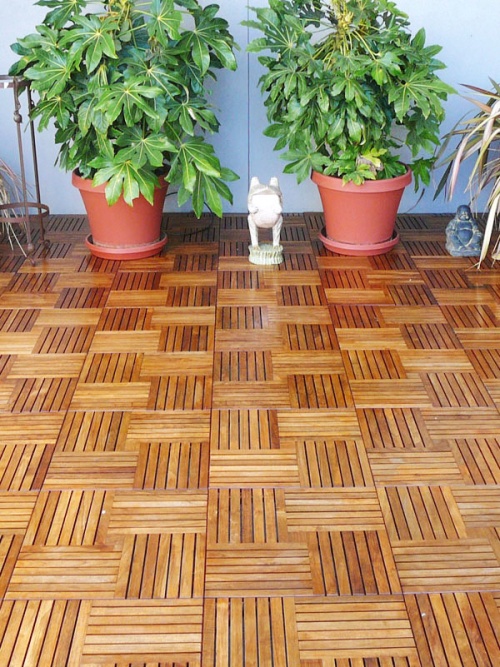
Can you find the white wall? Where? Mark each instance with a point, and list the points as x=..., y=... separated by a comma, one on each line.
x=468, y=33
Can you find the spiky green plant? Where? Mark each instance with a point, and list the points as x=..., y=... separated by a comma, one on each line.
x=479, y=146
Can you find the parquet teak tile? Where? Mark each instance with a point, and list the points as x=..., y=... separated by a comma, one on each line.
x=210, y=463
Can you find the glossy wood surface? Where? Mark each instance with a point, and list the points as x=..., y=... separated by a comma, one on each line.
x=208, y=463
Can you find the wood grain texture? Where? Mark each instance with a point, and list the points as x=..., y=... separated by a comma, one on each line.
x=210, y=463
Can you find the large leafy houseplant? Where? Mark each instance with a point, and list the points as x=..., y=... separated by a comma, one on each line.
x=124, y=82
x=478, y=145
x=349, y=91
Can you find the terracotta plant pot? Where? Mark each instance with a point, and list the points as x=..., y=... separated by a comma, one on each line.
x=121, y=231
x=360, y=219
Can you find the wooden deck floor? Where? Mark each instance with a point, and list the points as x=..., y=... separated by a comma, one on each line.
x=204, y=463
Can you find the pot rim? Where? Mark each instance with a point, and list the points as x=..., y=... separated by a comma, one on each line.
x=384, y=184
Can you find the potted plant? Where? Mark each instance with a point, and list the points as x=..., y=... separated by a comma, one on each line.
x=479, y=144
x=124, y=82
x=355, y=99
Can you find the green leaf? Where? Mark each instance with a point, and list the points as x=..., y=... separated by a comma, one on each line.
x=129, y=98
x=201, y=54
x=198, y=195
x=186, y=121
x=302, y=162
x=276, y=130
x=164, y=21
x=212, y=197
x=85, y=116
x=57, y=107
x=196, y=150
x=355, y=130
x=62, y=12
x=94, y=39
x=145, y=148
x=51, y=74
x=418, y=41
x=123, y=178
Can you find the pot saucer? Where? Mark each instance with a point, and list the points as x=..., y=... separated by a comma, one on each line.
x=126, y=252
x=358, y=249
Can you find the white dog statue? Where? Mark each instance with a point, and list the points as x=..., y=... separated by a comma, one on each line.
x=265, y=207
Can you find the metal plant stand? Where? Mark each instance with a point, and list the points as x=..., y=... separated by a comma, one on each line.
x=20, y=212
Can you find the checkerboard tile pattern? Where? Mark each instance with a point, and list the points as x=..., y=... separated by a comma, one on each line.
x=208, y=463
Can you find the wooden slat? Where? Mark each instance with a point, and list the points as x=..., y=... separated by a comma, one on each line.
x=69, y=316
x=41, y=632
x=126, y=341
x=443, y=566
x=168, y=316
x=336, y=509
x=303, y=425
x=353, y=563
x=244, y=297
x=177, y=363
x=355, y=628
x=30, y=429
x=479, y=506
x=319, y=392
x=68, y=518
x=316, y=362
x=243, y=468
x=236, y=339
x=328, y=463
x=47, y=365
x=460, y=297
x=160, y=631
x=251, y=570
x=93, y=431
x=23, y=467
x=421, y=361
x=175, y=565
x=270, y=394
x=147, y=512
x=28, y=301
x=455, y=627
x=15, y=512
x=458, y=389
x=452, y=423
x=192, y=426
x=255, y=630
x=373, y=365
x=365, y=297
x=388, y=338
x=244, y=429
x=109, y=396
x=421, y=513
x=89, y=470
x=252, y=366
x=172, y=465
x=302, y=315
x=479, y=459
x=405, y=314
x=390, y=393
x=414, y=467
x=396, y=427
x=63, y=573
x=18, y=343
x=41, y=395
x=246, y=516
